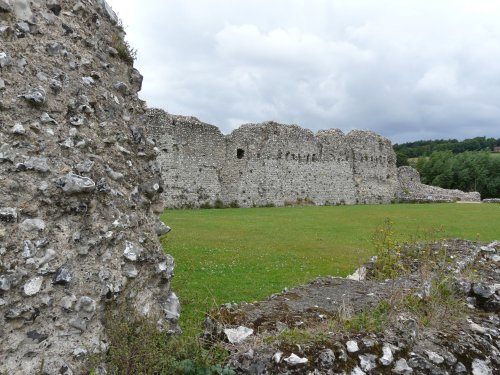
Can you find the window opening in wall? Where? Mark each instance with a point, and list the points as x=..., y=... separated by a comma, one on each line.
x=240, y=153
x=287, y=155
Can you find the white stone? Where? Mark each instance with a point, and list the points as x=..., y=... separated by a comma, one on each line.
x=402, y=367
x=33, y=286
x=294, y=360
x=358, y=275
x=367, y=362
x=277, y=357
x=18, y=129
x=434, y=357
x=480, y=367
x=238, y=335
x=352, y=346
x=31, y=225
x=387, y=358
x=132, y=252
x=357, y=371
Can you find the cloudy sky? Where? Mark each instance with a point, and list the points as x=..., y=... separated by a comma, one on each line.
x=406, y=69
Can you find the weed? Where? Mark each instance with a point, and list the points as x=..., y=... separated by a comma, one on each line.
x=125, y=51
x=373, y=320
x=439, y=307
x=138, y=347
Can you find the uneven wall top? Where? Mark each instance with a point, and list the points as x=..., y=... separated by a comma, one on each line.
x=79, y=187
x=272, y=164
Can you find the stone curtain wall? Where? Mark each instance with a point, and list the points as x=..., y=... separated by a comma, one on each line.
x=269, y=163
x=411, y=189
x=79, y=187
x=190, y=153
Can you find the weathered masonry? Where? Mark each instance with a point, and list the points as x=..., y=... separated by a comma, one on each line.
x=270, y=163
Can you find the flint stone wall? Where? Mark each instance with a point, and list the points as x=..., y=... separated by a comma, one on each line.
x=79, y=188
x=270, y=163
x=411, y=189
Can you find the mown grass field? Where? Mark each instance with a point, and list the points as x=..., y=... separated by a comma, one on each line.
x=235, y=255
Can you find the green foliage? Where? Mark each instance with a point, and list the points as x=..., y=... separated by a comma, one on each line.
x=389, y=260
x=372, y=320
x=426, y=148
x=246, y=255
x=138, y=347
x=125, y=52
x=469, y=171
x=442, y=305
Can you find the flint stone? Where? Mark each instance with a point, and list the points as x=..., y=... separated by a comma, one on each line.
x=37, y=164
x=78, y=323
x=62, y=276
x=109, y=11
x=387, y=357
x=23, y=27
x=132, y=252
x=5, y=60
x=402, y=367
x=28, y=249
x=18, y=129
x=480, y=367
x=4, y=283
x=22, y=9
x=45, y=118
x=166, y=268
x=483, y=290
x=367, y=362
x=2, y=84
x=294, y=360
x=172, y=309
x=240, y=334
x=161, y=228
x=36, y=96
x=130, y=271
x=33, y=286
x=8, y=215
x=352, y=346
x=434, y=357
x=326, y=358
x=357, y=371
x=37, y=337
x=5, y=6
x=30, y=225
x=74, y=184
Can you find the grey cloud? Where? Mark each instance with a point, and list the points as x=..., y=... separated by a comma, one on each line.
x=408, y=70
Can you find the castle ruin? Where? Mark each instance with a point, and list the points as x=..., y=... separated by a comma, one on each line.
x=274, y=164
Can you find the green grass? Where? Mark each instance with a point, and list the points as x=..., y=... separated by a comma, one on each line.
x=236, y=255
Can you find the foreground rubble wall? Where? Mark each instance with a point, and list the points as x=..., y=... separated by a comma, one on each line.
x=79, y=187
x=275, y=164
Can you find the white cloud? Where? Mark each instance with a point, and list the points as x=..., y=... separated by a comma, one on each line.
x=407, y=69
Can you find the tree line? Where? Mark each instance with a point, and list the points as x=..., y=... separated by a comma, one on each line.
x=468, y=171
x=467, y=165
x=418, y=149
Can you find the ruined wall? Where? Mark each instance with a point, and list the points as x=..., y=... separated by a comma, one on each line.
x=411, y=189
x=270, y=163
x=284, y=164
x=79, y=187
x=190, y=153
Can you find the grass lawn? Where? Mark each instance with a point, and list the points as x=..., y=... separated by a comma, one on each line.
x=235, y=255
